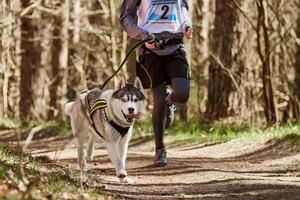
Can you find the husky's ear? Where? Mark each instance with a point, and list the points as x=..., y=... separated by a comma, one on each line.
x=121, y=84
x=138, y=84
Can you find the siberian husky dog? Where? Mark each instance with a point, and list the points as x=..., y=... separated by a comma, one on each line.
x=108, y=115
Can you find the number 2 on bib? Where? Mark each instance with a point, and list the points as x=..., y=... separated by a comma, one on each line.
x=165, y=8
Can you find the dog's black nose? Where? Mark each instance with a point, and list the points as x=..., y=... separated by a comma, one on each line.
x=130, y=110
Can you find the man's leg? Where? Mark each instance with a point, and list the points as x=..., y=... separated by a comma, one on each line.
x=177, y=69
x=158, y=115
x=180, y=95
x=181, y=91
x=151, y=73
x=159, y=120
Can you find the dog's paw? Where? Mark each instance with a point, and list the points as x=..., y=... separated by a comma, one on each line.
x=84, y=169
x=83, y=177
x=127, y=180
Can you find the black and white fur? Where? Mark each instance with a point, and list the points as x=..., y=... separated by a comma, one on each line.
x=122, y=103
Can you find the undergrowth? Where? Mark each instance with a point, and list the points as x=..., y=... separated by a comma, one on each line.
x=184, y=132
x=26, y=177
x=201, y=133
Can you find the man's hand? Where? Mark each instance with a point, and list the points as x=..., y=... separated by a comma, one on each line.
x=189, y=33
x=150, y=45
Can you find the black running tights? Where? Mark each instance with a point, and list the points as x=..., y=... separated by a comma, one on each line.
x=180, y=95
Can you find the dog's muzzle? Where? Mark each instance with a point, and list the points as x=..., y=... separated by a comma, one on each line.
x=130, y=117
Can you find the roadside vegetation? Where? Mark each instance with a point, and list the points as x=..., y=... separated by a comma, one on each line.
x=180, y=130
x=195, y=132
x=25, y=177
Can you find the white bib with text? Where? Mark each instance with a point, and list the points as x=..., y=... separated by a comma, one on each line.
x=156, y=16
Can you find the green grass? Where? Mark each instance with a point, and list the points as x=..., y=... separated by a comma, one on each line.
x=41, y=129
x=184, y=132
x=8, y=123
x=63, y=127
x=42, y=179
x=200, y=133
x=50, y=127
x=47, y=180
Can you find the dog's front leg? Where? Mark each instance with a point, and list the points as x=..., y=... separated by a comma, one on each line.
x=113, y=152
x=123, y=148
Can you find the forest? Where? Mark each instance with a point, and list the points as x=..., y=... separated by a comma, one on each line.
x=244, y=57
x=244, y=62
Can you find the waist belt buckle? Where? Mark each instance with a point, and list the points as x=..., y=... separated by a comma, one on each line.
x=162, y=44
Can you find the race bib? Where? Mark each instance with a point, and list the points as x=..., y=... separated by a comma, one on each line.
x=163, y=11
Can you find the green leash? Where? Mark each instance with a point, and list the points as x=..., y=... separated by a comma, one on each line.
x=153, y=39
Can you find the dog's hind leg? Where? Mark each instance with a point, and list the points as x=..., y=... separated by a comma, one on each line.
x=80, y=150
x=79, y=131
x=90, y=148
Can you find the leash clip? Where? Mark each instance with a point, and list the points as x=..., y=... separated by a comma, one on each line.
x=162, y=43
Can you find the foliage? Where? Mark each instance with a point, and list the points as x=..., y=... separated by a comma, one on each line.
x=202, y=133
x=244, y=57
x=8, y=123
x=41, y=179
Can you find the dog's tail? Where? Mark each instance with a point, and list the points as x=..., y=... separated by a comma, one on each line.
x=69, y=107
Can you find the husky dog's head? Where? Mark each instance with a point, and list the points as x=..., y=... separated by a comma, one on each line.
x=127, y=100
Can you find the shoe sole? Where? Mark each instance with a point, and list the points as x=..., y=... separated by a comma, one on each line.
x=159, y=164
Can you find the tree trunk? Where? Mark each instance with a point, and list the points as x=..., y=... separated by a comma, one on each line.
x=59, y=62
x=131, y=63
x=199, y=60
x=55, y=77
x=10, y=59
x=30, y=62
x=297, y=65
x=63, y=59
x=6, y=39
x=264, y=55
x=221, y=81
x=295, y=101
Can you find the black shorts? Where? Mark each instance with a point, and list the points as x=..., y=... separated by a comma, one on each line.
x=154, y=70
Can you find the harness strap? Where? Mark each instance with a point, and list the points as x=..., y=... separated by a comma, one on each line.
x=99, y=104
x=91, y=112
x=102, y=105
x=122, y=130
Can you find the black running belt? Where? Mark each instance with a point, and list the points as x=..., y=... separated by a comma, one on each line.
x=167, y=38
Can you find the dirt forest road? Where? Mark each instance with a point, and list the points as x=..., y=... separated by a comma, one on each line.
x=237, y=169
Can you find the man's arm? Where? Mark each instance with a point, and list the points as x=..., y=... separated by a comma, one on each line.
x=184, y=4
x=186, y=20
x=128, y=19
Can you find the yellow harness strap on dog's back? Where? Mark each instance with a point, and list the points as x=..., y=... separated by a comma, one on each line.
x=99, y=104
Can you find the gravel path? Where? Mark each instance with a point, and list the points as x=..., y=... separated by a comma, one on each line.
x=234, y=170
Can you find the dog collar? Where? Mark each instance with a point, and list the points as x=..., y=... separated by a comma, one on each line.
x=102, y=105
